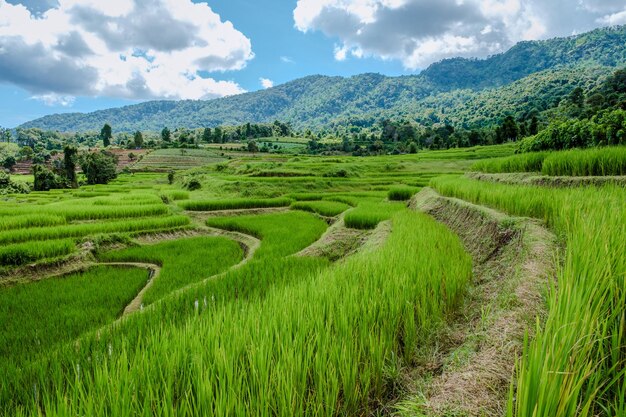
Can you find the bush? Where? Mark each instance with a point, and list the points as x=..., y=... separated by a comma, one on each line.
x=193, y=184
x=99, y=167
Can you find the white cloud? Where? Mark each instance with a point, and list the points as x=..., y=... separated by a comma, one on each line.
x=287, y=60
x=420, y=32
x=120, y=48
x=266, y=83
x=55, y=100
x=614, y=19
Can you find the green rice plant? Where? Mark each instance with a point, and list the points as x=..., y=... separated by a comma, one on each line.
x=586, y=162
x=184, y=261
x=323, y=345
x=72, y=211
x=401, y=193
x=30, y=220
x=325, y=208
x=22, y=253
x=367, y=215
x=277, y=231
x=306, y=196
x=525, y=162
x=346, y=199
x=40, y=315
x=175, y=195
x=90, y=229
x=234, y=204
x=576, y=364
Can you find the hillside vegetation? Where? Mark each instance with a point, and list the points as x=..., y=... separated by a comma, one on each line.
x=448, y=91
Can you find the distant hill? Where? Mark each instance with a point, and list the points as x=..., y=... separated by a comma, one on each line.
x=319, y=102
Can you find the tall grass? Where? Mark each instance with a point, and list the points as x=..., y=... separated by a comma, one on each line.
x=40, y=315
x=325, y=208
x=233, y=204
x=281, y=234
x=600, y=162
x=367, y=215
x=403, y=193
x=184, y=261
x=18, y=221
x=22, y=253
x=330, y=344
x=90, y=229
x=76, y=211
x=525, y=162
x=576, y=364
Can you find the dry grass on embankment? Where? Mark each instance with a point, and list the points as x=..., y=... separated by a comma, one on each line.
x=471, y=371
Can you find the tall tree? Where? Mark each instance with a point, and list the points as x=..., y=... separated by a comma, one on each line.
x=206, y=134
x=509, y=129
x=166, y=135
x=5, y=134
x=99, y=167
x=106, y=134
x=534, y=126
x=138, y=138
x=69, y=165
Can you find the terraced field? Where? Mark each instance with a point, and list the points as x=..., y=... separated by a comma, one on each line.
x=292, y=285
x=166, y=159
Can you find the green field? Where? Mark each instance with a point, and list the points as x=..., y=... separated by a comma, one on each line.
x=142, y=297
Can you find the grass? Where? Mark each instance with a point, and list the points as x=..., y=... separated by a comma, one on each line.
x=576, y=363
x=281, y=234
x=183, y=261
x=600, y=162
x=328, y=344
x=234, y=204
x=401, y=193
x=22, y=253
x=38, y=316
x=325, y=208
x=576, y=162
x=72, y=211
x=91, y=229
x=368, y=215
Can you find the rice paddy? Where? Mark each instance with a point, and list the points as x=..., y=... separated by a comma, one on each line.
x=238, y=322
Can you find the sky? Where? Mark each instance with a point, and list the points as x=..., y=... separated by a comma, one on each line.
x=84, y=55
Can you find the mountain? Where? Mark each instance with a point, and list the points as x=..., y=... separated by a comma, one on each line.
x=319, y=102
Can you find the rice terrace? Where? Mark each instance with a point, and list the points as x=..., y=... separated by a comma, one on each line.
x=450, y=242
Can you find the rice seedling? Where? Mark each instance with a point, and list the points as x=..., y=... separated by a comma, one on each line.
x=22, y=253
x=325, y=208
x=526, y=162
x=367, y=215
x=71, y=211
x=323, y=345
x=601, y=162
x=233, y=204
x=30, y=220
x=90, y=229
x=278, y=235
x=401, y=193
x=184, y=261
x=38, y=316
x=576, y=365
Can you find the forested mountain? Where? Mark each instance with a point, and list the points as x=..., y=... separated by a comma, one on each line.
x=530, y=77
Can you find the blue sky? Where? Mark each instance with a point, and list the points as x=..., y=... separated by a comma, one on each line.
x=83, y=55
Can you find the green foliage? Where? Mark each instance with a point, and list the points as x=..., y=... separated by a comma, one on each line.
x=233, y=204
x=325, y=208
x=183, y=261
x=106, y=135
x=99, y=167
x=527, y=162
x=7, y=186
x=401, y=193
x=45, y=179
x=603, y=161
x=319, y=102
x=575, y=364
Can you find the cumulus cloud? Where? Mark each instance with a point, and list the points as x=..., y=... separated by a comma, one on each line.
x=134, y=49
x=266, y=83
x=419, y=32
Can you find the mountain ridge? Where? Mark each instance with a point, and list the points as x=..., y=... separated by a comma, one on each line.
x=320, y=101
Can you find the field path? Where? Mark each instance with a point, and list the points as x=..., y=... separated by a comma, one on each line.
x=153, y=273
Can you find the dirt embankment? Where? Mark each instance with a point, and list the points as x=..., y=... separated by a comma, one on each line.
x=472, y=368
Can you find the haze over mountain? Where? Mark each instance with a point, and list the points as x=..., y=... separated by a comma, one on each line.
x=530, y=72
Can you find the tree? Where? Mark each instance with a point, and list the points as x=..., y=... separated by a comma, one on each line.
x=99, y=167
x=217, y=135
x=26, y=152
x=534, y=126
x=69, y=165
x=166, y=135
x=509, y=129
x=5, y=135
x=206, y=134
x=106, y=134
x=44, y=179
x=138, y=138
x=252, y=147
x=9, y=162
